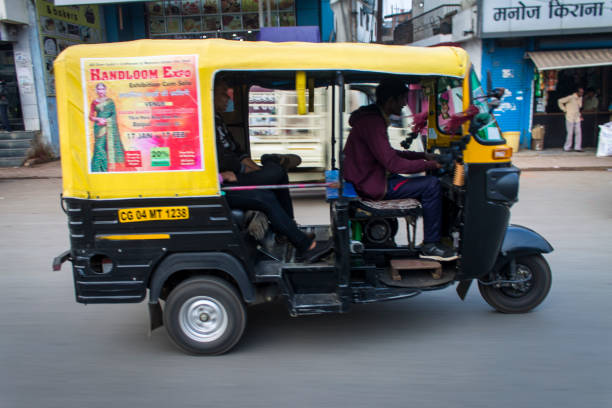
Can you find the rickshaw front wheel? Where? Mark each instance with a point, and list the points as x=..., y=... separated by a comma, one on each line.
x=205, y=315
x=523, y=291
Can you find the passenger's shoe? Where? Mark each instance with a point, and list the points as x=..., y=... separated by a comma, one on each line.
x=438, y=252
x=257, y=224
x=318, y=252
x=287, y=161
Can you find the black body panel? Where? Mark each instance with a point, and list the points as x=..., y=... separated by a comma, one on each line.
x=486, y=216
x=198, y=261
x=209, y=228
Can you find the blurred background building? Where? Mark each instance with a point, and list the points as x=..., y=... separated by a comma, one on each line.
x=537, y=50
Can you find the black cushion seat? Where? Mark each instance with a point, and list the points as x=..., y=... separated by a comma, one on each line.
x=403, y=207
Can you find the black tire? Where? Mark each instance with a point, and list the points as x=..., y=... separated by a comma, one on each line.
x=205, y=315
x=525, y=296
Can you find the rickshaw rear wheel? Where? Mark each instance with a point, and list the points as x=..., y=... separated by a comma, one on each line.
x=534, y=280
x=205, y=315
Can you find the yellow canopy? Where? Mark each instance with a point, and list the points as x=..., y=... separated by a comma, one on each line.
x=136, y=119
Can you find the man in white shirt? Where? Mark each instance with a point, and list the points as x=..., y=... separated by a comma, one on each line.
x=571, y=105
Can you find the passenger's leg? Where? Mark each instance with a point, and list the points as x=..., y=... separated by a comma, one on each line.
x=270, y=173
x=427, y=190
x=265, y=201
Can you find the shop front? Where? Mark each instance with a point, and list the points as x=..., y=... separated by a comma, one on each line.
x=541, y=52
x=561, y=73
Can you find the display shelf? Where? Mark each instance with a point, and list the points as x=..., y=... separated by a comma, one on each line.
x=276, y=127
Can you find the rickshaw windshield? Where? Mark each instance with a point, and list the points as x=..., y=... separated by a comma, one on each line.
x=449, y=103
x=486, y=128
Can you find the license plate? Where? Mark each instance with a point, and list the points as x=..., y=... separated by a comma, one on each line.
x=153, y=214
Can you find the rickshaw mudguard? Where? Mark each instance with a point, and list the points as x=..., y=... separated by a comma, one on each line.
x=523, y=240
x=518, y=240
x=218, y=261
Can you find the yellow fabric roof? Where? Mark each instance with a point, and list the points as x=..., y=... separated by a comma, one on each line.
x=188, y=167
x=225, y=54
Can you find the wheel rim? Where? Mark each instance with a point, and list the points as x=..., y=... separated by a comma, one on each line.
x=519, y=289
x=203, y=319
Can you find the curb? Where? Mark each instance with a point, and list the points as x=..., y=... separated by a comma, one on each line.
x=586, y=168
x=29, y=177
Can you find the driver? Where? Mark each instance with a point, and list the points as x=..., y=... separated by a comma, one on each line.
x=373, y=166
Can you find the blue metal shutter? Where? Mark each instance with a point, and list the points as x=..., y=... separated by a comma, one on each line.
x=511, y=71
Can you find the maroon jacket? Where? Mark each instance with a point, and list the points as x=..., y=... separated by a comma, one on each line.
x=368, y=156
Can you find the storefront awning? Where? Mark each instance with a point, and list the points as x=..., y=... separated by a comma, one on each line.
x=546, y=60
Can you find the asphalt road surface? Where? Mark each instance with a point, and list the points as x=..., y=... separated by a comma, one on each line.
x=430, y=351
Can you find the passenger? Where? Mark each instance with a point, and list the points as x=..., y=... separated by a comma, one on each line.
x=237, y=168
x=237, y=165
x=372, y=165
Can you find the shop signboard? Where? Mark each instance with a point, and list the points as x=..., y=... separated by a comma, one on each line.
x=504, y=18
x=61, y=27
x=142, y=113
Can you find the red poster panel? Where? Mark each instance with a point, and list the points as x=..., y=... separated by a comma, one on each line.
x=142, y=114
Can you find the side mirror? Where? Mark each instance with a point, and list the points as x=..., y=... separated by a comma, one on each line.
x=485, y=127
x=498, y=93
x=495, y=96
x=493, y=104
x=478, y=122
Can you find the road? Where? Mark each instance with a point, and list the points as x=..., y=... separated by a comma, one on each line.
x=430, y=351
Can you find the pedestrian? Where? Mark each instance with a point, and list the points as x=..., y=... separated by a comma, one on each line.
x=4, y=106
x=590, y=101
x=571, y=106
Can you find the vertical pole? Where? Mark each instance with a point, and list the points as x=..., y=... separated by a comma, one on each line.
x=261, y=13
x=340, y=214
x=269, y=6
x=333, y=127
x=120, y=11
x=379, y=21
x=340, y=82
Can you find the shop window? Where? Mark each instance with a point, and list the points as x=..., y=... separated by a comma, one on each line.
x=551, y=85
x=231, y=19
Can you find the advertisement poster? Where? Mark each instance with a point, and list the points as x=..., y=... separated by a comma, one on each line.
x=142, y=114
x=60, y=27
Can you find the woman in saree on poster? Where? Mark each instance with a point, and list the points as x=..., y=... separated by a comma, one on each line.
x=108, y=148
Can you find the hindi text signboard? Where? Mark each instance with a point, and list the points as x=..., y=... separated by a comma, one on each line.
x=500, y=18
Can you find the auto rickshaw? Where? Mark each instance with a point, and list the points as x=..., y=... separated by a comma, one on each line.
x=148, y=217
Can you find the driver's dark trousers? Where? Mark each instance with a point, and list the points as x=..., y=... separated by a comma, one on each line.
x=427, y=190
x=266, y=202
